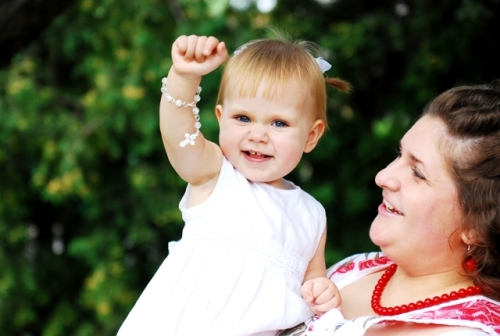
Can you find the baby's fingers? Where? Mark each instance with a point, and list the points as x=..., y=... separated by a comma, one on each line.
x=211, y=51
x=324, y=294
x=307, y=291
x=180, y=45
x=320, y=309
x=328, y=295
x=199, y=48
x=210, y=46
x=190, y=47
x=195, y=48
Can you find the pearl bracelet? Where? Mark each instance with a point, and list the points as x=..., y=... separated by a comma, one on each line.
x=190, y=138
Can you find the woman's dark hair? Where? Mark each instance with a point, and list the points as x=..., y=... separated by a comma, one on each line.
x=472, y=150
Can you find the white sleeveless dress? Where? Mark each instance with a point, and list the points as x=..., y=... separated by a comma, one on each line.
x=239, y=266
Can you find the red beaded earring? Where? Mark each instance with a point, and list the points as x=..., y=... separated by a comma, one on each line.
x=470, y=264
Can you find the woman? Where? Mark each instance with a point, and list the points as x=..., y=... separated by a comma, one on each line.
x=438, y=228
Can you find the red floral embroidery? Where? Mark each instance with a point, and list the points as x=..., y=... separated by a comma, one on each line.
x=482, y=311
x=344, y=268
x=382, y=260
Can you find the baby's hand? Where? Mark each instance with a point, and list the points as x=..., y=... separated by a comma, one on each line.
x=195, y=56
x=321, y=294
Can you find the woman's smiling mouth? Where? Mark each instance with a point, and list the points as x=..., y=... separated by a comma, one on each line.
x=391, y=208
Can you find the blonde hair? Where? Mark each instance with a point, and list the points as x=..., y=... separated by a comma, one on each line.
x=278, y=63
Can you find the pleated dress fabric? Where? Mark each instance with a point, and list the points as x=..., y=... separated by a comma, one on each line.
x=239, y=265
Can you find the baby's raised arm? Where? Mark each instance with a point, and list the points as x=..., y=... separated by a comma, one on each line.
x=193, y=57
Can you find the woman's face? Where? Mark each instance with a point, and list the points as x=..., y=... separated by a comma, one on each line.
x=419, y=218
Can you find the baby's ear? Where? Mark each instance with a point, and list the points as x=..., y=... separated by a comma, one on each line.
x=218, y=112
x=315, y=133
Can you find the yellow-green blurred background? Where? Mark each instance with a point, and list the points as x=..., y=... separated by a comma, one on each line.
x=88, y=200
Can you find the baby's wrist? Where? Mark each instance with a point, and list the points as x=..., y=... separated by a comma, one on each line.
x=183, y=79
x=180, y=86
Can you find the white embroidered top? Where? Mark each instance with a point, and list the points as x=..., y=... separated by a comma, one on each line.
x=239, y=266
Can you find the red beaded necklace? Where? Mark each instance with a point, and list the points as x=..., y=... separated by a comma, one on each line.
x=388, y=311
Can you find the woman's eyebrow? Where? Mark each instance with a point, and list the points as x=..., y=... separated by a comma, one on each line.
x=412, y=157
x=415, y=159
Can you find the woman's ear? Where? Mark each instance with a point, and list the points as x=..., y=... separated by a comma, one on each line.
x=468, y=237
x=315, y=133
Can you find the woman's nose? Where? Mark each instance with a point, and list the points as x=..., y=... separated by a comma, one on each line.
x=388, y=177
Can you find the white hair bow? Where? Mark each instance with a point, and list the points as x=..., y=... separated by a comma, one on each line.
x=323, y=65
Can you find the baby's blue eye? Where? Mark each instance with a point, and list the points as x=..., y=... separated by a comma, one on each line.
x=280, y=123
x=243, y=119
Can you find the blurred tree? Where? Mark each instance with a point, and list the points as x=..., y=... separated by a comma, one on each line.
x=22, y=21
x=88, y=200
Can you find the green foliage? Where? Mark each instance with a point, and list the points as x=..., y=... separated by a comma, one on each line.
x=88, y=200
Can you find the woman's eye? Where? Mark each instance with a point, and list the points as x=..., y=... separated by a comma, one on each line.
x=243, y=119
x=398, y=152
x=417, y=174
x=279, y=123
